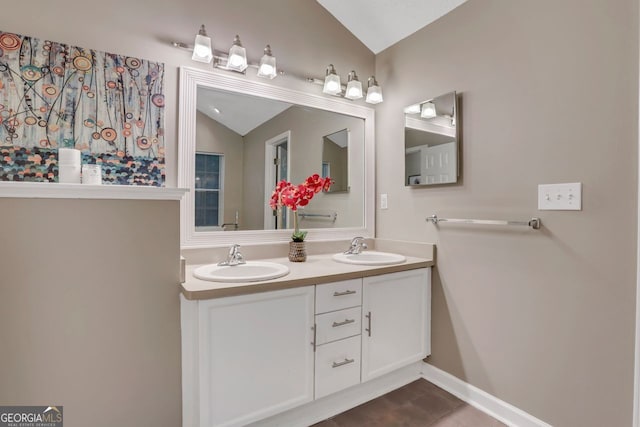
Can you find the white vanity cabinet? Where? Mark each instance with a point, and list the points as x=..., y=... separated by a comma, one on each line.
x=246, y=358
x=396, y=319
x=253, y=355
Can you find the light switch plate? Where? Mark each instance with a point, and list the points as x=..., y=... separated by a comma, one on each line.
x=560, y=197
x=383, y=201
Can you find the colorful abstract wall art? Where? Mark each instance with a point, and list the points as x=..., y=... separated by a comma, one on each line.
x=53, y=95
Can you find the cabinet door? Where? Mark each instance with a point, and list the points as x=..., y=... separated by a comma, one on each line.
x=256, y=356
x=396, y=312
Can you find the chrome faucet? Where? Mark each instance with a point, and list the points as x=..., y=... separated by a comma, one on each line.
x=357, y=245
x=234, y=257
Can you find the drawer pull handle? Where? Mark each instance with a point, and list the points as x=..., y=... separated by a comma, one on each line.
x=344, y=362
x=340, y=294
x=315, y=337
x=368, y=316
x=346, y=322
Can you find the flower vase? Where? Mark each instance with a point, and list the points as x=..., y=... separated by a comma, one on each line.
x=297, y=252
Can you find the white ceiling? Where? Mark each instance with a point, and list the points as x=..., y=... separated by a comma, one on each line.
x=240, y=113
x=340, y=138
x=381, y=23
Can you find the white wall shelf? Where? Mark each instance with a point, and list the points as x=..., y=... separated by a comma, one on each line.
x=50, y=190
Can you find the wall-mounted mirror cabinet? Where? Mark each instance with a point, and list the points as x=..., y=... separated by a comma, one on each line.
x=239, y=137
x=431, y=141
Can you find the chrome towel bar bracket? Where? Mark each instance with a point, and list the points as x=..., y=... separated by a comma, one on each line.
x=534, y=223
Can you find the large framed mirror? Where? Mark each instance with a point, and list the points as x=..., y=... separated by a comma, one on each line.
x=431, y=141
x=238, y=138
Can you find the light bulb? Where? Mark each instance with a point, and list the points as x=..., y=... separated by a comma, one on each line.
x=374, y=91
x=428, y=110
x=354, y=87
x=412, y=109
x=202, y=47
x=266, y=69
x=236, y=60
x=374, y=97
x=201, y=50
x=333, y=86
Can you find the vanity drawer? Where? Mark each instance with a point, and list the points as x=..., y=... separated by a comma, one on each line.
x=338, y=295
x=337, y=366
x=339, y=324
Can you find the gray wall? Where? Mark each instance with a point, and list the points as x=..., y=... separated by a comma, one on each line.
x=338, y=159
x=543, y=320
x=212, y=137
x=89, y=314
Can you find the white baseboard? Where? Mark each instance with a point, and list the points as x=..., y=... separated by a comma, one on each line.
x=491, y=405
x=334, y=404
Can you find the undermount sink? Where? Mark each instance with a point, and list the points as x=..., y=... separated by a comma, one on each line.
x=251, y=271
x=370, y=258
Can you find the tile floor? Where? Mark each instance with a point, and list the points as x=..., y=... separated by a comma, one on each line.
x=418, y=404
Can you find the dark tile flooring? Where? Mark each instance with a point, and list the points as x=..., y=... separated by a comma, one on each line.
x=418, y=404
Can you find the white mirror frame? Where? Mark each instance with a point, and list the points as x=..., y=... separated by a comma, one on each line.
x=190, y=80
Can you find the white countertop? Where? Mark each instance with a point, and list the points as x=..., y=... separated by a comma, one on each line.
x=317, y=269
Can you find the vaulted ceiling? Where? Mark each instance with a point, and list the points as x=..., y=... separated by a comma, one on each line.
x=379, y=24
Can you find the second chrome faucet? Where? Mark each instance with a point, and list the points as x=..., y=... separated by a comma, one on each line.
x=357, y=245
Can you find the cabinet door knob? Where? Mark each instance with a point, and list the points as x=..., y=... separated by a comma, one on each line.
x=344, y=362
x=347, y=292
x=346, y=322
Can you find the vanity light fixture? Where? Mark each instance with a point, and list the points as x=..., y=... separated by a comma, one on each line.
x=237, y=56
x=235, y=60
x=332, y=84
x=374, y=92
x=428, y=110
x=202, y=48
x=354, y=87
x=267, y=67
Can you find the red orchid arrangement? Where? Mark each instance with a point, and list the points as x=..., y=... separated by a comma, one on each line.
x=291, y=196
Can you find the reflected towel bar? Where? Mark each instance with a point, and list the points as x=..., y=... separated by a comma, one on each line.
x=332, y=216
x=534, y=223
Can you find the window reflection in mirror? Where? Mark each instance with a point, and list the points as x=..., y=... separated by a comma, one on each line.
x=263, y=141
x=335, y=160
x=431, y=141
x=209, y=190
